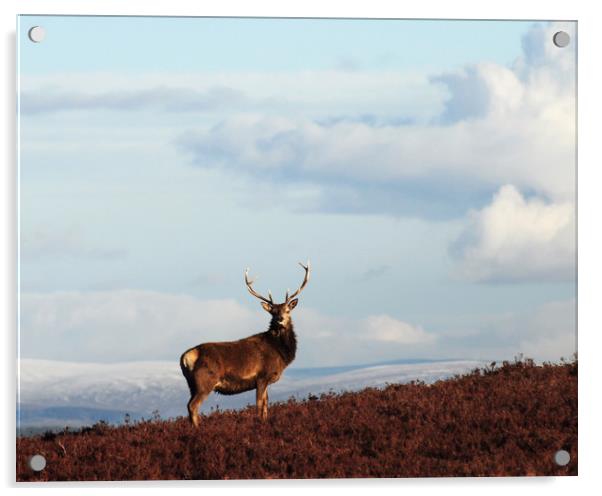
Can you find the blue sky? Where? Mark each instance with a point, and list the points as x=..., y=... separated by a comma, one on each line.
x=126, y=44
x=426, y=168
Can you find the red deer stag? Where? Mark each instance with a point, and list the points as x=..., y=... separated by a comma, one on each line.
x=232, y=367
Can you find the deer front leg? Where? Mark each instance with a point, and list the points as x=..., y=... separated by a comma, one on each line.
x=262, y=399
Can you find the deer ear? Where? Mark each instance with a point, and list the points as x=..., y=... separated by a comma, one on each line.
x=266, y=306
x=293, y=303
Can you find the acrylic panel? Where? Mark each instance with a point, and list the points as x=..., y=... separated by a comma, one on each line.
x=403, y=195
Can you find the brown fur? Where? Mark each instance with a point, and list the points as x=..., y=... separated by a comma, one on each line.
x=233, y=367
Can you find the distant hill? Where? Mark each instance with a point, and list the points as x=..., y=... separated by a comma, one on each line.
x=58, y=394
x=496, y=421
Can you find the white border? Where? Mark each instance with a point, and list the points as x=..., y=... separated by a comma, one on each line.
x=459, y=9
x=590, y=246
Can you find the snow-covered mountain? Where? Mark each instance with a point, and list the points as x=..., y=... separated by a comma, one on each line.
x=53, y=393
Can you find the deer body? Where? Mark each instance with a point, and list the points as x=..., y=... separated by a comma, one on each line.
x=233, y=367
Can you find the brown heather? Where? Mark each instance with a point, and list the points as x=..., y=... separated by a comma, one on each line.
x=497, y=421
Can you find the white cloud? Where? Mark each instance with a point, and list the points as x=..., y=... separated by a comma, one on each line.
x=518, y=239
x=387, y=329
x=519, y=130
x=317, y=93
x=172, y=99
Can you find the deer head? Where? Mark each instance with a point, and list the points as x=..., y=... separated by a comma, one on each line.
x=280, y=312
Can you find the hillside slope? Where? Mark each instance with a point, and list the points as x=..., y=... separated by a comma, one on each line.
x=508, y=420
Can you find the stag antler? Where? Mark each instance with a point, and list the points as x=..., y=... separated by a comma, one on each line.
x=303, y=284
x=255, y=293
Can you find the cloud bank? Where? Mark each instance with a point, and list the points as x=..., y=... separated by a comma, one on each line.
x=387, y=329
x=162, y=98
x=136, y=325
x=518, y=239
x=122, y=325
x=500, y=125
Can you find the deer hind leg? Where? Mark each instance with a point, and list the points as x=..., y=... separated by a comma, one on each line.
x=193, y=409
x=204, y=382
x=187, y=363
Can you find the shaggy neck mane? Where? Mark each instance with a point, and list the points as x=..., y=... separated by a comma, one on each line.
x=284, y=339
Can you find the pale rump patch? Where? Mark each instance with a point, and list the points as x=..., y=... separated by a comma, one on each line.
x=190, y=358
